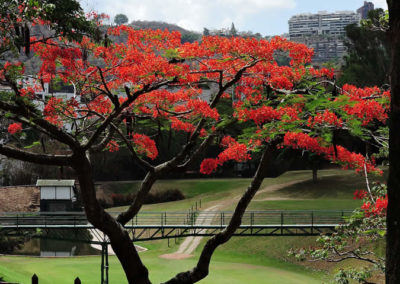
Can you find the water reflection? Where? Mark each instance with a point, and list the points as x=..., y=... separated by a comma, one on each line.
x=59, y=243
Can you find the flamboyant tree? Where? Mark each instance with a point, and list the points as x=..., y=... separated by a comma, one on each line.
x=128, y=93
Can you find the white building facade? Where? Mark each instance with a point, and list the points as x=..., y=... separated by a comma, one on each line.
x=325, y=32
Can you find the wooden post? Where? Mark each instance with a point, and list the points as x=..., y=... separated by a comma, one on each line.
x=35, y=279
x=77, y=280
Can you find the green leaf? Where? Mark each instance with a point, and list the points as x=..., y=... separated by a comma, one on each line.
x=36, y=143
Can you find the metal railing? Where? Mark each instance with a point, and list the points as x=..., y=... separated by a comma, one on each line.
x=168, y=219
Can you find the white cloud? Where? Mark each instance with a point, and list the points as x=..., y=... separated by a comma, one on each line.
x=380, y=4
x=192, y=14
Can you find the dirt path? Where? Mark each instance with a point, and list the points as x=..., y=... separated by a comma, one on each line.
x=188, y=246
x=98, y=236
x=275, y=187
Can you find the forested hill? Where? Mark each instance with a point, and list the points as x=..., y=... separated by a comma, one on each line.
x=187, y=36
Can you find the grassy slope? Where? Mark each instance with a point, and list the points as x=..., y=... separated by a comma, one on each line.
x=242, y=260
x=60, y=271
x=334, y=190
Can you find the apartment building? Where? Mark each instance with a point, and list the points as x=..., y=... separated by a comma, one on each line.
x=325, y=32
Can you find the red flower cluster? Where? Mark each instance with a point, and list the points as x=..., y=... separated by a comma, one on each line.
x=208, y=166
x=302, y=141
x=259, y=115
x=181, y=125
x=344, y=157
x=145, y=145
x=112, y=146
x=289, y=114
x=360, y=194
x=326, y=117
x=329, y=73
x=52, y=111
x=377, y=209
x=368, y=111
x=365, y=107
x=14, y=128
x=234, y=151
x=227, y=141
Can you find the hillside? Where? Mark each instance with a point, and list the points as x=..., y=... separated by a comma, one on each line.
x=187, y=36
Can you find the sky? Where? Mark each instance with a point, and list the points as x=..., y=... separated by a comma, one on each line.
x=268, y=17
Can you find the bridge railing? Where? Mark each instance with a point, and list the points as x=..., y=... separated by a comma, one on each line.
x=222, y=218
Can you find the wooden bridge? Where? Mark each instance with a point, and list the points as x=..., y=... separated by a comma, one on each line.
x=163, y=225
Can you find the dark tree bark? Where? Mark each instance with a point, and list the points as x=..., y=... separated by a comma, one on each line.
x=120, y=240
x=393, y=210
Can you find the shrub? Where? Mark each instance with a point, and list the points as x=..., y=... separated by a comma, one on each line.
x=158, y=196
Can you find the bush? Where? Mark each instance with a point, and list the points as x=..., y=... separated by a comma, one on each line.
x=158, y=196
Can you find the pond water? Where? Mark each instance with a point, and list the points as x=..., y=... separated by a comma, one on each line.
x=61, y=243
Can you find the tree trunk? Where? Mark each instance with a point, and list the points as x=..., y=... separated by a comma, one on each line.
x=393, y=210
x=121, y=243
x=314, y=174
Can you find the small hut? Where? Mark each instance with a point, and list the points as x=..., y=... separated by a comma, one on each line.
x=57, y=195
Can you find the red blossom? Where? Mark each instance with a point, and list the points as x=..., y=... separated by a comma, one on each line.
x=145, y=145
x=112, y=146
x=208, y=166
x=360, y=194
x=14, y=128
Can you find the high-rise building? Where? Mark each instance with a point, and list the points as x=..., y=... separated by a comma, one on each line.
x=363, y=10
x=325, y=32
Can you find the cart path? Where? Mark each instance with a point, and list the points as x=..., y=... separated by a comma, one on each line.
x=97, y=236
x=189, y=245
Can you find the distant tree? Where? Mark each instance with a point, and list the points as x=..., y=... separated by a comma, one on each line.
x=368, y=59
x=233, y=31
x=189, y=37
x=120, y=19
x=206, y=32
x=257, y=35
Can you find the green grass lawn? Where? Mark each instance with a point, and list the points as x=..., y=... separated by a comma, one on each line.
x=334, y=190
x=224, y=269
x=241, y=260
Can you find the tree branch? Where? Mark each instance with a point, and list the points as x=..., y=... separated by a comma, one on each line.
x=44, y=159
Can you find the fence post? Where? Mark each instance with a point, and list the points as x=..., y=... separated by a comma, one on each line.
x=77, y=280
x=107, y=265
x=251, y=222
x=35, y=279
x=102, y=264
x=312, y=222
x=281, y=222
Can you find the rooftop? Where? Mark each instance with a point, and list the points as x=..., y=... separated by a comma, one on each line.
x=55, y=182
